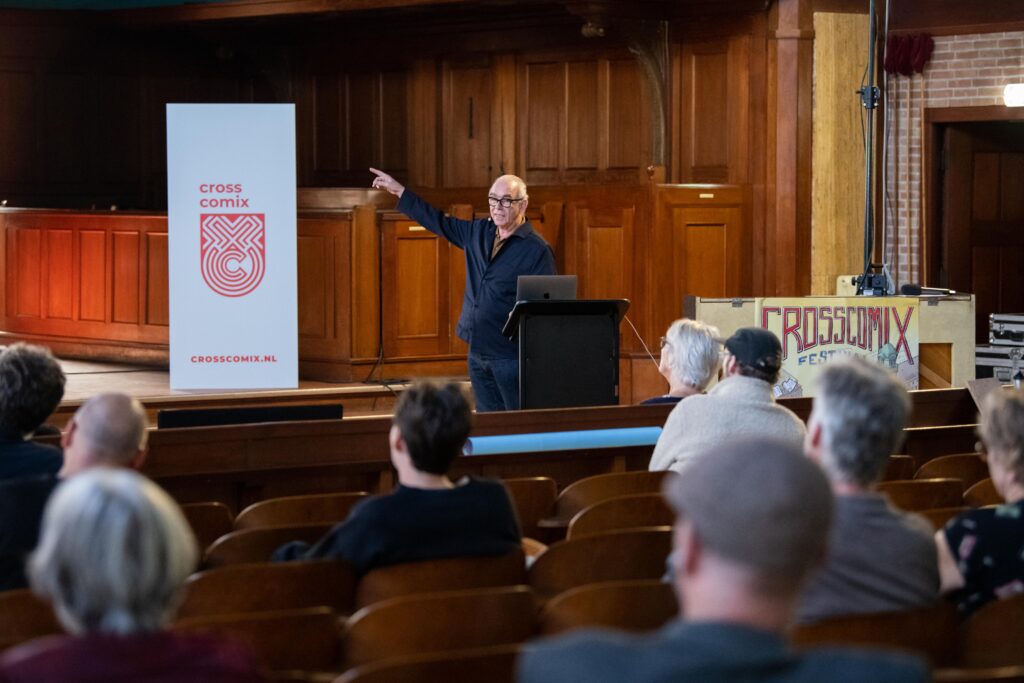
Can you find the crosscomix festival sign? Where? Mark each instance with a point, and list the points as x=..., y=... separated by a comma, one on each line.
x=232, y=246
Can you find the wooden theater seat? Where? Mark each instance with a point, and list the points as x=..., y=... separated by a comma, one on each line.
x=534, y=498
x=453, y=573
x=994, y=636
x=641, y=605
x=939, y=516
x=969, y=468
x=209, y=521
x=930, y=631
x=1000, y=674
x=898, y=467
x=586, y=492
x=612, y=556
x=257, y=545
x=440, y=622
x=23, y=616
x=318, y=508
x=621, y=512
x=492, y=665
x=982, y=494
x=306, y=639
x=922, y=494
x=261, y=587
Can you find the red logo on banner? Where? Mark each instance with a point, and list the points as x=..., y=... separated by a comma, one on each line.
x=233, y=252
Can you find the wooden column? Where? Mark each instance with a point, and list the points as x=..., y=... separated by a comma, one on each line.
x=788, y=202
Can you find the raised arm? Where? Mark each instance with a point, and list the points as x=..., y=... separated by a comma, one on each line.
x=454, y=230
x=385, y=182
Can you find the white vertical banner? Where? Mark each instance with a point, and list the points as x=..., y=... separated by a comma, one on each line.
x=231, y=246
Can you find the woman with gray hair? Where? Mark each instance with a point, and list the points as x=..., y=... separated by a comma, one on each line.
x=981, y=552
x=689, y=359
x=112, y=557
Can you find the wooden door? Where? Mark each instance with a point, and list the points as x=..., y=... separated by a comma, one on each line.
x=982, y=237
x=415, y=290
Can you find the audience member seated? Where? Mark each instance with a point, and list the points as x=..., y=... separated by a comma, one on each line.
x=752, y=521
x=107, y=430
x=31, y=387
x=880, y=559
x=114, y=553
x=427, y=516
x=981, y=553
x=689, y=359
x=740, y=405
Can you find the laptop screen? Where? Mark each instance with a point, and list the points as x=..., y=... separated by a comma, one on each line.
x=540, y=287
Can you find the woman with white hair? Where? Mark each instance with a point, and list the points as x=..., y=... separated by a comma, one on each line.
x=981, y=552
x=689, y=359
x=113, y=555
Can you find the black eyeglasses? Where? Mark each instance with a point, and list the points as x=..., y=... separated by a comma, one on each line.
x=505, y=202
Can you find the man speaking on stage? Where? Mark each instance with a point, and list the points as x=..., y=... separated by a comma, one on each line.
x=498, y=250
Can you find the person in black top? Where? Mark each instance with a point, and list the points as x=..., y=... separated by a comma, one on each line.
x=427, y=516
x=498, y=250
x=31, y=387
x=981, y=552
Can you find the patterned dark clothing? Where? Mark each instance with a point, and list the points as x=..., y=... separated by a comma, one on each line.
x=988, y=546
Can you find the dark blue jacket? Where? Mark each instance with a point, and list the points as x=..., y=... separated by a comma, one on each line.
x=25, y=458
x=490, y=285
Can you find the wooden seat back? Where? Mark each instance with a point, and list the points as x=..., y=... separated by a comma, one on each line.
x=898, y=467
x=969, y=468
x=429, y=576
x=994, y=635
x=24, y=616
x=492, y=664
x=534, y=498
x=440, y=622
x=586, y=492
x=621, y=512
x=240, y=588
x=922, y=494
x=257, y=545
x=612, y=556
x=930, y=631
x=306, y=639
x=939, y=516
x=982, y=494
x=317, y=508
x=999, y=674
x=209, y=521
x=641, y=605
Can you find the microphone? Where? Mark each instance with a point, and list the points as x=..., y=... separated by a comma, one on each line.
x=918, y=290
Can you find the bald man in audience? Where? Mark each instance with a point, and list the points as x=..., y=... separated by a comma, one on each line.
x=880, y=559
x=108, y=430
x=498, y=250
x=751, y=524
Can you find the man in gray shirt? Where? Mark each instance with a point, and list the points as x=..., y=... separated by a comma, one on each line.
x=880, y=559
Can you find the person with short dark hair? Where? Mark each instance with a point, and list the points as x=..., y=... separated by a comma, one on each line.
x=880, y=559
x=31, y=387
x=981, y=552
x=742, y=404
x=752, y=521
x=427, y=516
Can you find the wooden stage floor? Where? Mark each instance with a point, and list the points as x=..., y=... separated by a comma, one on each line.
x=152, y=386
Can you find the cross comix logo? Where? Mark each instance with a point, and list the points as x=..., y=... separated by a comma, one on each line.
x=233, y=252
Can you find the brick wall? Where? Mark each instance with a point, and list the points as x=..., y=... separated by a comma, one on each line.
x=965, y=71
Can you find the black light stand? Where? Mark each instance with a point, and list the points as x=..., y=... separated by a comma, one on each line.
x=873, y=282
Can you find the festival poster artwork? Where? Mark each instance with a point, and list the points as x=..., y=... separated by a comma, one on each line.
x=813, y=330
x=232, y=246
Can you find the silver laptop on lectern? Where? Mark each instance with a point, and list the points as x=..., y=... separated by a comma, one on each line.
x=541, y=287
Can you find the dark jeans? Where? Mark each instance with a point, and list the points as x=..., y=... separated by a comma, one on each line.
x=495, y=383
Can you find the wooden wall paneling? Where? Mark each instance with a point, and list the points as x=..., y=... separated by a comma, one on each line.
x=60, y=274
x=25, y=246
x=365, y=283
x=704, y=140
x=118, y=156
x=156, y=277
x=505, y=114
x=457, y=283
x=364, y=118
x=91, y=284
x=415, y=278
x=837, y=228
x=325, y=298
x=466, y=122
x=18, y=123
x=542, y=97
x=586, y=124
x=126, y=281
x=423, y=88
x=66, y=146
x=628, y=145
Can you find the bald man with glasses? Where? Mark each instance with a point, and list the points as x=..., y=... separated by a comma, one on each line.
x=498, y=250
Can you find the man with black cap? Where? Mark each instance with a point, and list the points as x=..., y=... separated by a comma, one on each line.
x=751, y=522
x=740, y=405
